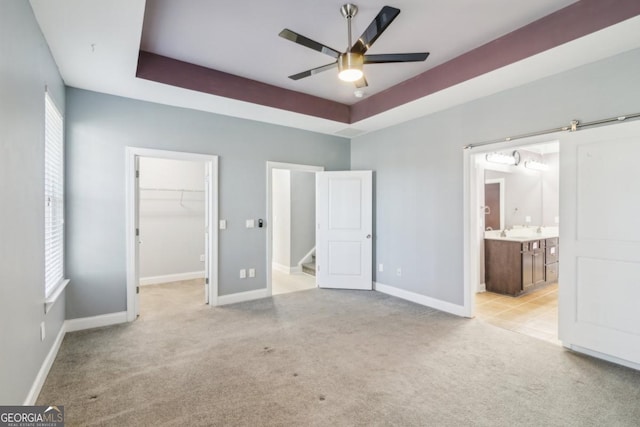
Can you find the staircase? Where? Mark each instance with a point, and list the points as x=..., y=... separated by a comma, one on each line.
x=310, y=267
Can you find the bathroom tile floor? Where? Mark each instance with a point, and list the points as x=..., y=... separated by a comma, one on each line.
x=534, y=314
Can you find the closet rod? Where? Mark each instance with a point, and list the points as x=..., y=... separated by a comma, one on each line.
x=574, y=125
x=171, y=189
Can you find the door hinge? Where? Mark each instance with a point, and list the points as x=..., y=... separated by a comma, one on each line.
x=137, y=231
x=137, y=174
x=206, y=281
x=137, y=289
x=317, y=267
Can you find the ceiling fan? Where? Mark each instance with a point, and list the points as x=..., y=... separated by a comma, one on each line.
x=351, y=61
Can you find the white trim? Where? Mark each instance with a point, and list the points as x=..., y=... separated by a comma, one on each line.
x=243, y=296
x=57, y=291
x=83, y=323
x=445, y=306
x=168, y=278
x=270, y=167
x=482, y=287
x=603, y=356
x=47, y=363
x=285, y=268
x=211, y=217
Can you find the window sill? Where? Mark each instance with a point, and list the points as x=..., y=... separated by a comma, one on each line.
x=51, y=299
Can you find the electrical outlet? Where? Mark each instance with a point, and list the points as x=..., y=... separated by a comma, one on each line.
x=243, y=273
x=381, y=268
x=399, y=272
x=223, y=224
x=201, y=257
x=250, y=223
x=252, y=272
x=43, y=331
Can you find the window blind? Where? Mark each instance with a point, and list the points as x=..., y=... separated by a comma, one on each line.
x=53, y=197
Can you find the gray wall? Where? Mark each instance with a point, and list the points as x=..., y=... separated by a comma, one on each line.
x=172, y=223
x=98, y=130
x=303, y=215
x=419, y=166
x=26, y=66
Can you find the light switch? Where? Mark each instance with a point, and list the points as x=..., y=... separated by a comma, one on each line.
x=243, y=274
x=527, y=218
x=252, y=272
x=223, y=224
x=381, y=268
x=251, y=223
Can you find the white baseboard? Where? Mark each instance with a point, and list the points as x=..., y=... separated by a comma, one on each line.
x=69, y=326
x=603, y=356
x=482, y=287
x=286, y=269
x=96, y=321
x=34, y=392
x=168, y=278
x=448, y=307
x=242, y=296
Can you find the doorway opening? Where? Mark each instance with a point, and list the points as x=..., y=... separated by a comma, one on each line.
x=518, y=238
x=171, y=234
x=291, y=242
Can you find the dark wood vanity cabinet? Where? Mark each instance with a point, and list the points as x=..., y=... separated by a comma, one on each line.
x=513, y=267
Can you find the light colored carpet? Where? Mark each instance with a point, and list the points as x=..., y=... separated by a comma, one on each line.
x=327, y=358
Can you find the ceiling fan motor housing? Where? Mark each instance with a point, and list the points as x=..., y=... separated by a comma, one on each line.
x=351, y=61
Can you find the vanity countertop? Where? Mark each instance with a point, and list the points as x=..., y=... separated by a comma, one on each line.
x=522, y=234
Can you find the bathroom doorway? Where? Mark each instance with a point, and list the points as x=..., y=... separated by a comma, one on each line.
x=518, y=231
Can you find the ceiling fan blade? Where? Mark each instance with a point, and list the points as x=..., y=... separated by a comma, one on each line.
x=361, y=83
x=375, y=29
x=395, y=57
x=307, y=42
x=313, y=71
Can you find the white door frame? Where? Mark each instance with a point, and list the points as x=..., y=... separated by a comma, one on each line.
x=131, y=206
x=473, y=177
x=270, y=167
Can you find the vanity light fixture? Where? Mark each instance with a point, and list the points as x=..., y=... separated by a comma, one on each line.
x=535, y=165
x=512, y=159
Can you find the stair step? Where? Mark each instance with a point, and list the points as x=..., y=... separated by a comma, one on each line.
x=309, y=268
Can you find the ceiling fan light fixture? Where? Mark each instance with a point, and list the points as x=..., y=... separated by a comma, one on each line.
x=350, y=66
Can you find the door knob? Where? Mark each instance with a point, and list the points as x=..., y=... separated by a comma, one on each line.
x=368, y=236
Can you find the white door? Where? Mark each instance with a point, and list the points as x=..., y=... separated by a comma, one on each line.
x=599, y=286
x=344, y=229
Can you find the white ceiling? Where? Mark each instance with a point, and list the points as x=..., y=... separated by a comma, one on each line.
x=95, y=45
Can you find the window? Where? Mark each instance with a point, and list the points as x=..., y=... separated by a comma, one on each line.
x=53, y=198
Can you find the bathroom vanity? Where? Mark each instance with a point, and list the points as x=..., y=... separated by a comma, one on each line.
x=517, y=264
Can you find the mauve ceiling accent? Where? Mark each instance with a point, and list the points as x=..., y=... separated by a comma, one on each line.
x=170, y=71
x=572, y=22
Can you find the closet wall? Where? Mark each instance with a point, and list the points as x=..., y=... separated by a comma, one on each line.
x=172, y=220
